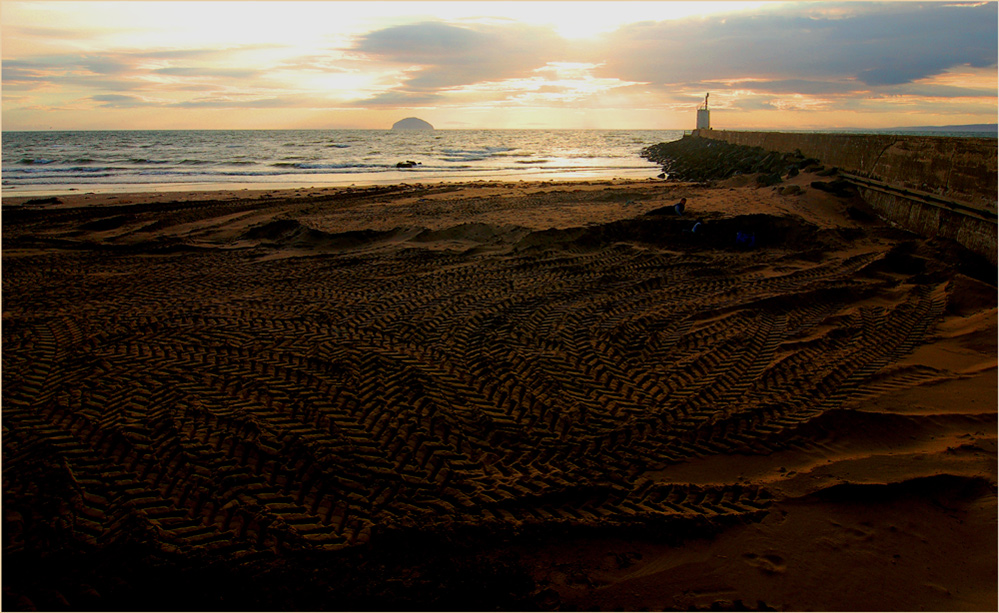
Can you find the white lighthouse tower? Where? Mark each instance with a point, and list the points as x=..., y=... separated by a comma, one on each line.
x=704, y=115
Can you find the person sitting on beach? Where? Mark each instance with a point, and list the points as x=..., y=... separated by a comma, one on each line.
x=745, y=239
x=680, y=206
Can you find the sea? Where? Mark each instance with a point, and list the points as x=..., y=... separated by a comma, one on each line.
x=53, y=162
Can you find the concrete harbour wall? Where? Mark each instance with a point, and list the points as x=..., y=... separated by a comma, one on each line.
x=932, y=185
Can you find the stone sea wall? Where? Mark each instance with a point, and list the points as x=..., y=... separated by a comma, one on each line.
x=960, y=169
x=932, y=185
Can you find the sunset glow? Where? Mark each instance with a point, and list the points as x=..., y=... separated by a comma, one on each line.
x=145, y=65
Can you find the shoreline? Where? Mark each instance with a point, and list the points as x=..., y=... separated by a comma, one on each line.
x=256, y=191
x=323, y=181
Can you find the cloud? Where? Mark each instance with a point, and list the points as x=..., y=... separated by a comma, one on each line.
x=204, y=53
x=930, y=90
x=196, y=78
x=453, y=55
x=825, y=51
x=121, y=101
x=17, y=75
x=805, y=56
x=121, y=70
x=103, y=64
x=60, y=34
x=321, y=63
x=23, y=76
x=783, y=86
x=399, y=99
x=248, y=102
x=870, y=44
x=202, y=71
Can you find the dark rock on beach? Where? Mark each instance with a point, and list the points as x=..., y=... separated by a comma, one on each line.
x=52, y=200
x=839, y=187
x=766, y=180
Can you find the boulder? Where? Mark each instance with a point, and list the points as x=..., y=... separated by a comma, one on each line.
x=766, y=180
x=838, y=187
x=52, y=200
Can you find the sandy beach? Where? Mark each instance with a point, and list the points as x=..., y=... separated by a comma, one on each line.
x=479, y=396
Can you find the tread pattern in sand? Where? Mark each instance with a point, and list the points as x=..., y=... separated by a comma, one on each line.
x=212, y=401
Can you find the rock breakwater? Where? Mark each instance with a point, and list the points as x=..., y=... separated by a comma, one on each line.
x=700, y=159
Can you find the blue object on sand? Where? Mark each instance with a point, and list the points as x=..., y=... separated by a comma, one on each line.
x=745, y=239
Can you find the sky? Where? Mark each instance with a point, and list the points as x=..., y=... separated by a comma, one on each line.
x=522, y=64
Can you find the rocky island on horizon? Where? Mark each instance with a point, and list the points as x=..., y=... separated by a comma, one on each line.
x=412, y=123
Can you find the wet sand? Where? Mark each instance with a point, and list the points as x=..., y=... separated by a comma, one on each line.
x=476, y=396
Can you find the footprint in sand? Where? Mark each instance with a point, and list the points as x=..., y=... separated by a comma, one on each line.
x=770, y=564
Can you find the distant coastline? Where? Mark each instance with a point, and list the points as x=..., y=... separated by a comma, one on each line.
x=975, y=130
x=971, y=127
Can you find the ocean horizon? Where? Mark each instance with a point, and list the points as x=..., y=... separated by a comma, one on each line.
x=53, y=162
